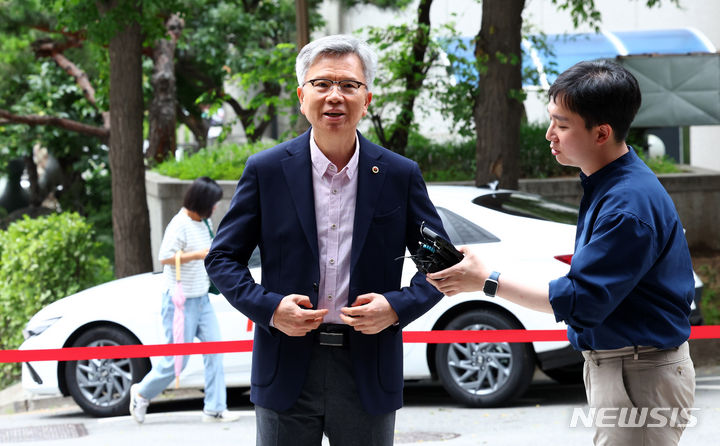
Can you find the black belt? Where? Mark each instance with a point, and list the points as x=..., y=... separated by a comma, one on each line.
x=332, y=335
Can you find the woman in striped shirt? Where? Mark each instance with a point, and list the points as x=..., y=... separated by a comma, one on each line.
x=188, y=233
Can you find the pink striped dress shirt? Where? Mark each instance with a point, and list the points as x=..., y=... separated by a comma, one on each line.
x=335, y=194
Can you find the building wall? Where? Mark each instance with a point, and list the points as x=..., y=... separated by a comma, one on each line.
x=623, y=15
x=705, y=146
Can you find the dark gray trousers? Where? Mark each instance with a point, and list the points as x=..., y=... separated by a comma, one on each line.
x=329, y=404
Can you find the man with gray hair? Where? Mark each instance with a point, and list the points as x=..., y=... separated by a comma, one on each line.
x=330, y=212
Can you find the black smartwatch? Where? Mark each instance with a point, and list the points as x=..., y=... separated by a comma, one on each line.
x=491, y=284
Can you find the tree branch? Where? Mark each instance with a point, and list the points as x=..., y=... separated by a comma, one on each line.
x=243, y=114
x=197, y=125
x=74, y=38
x=83, y=82
x=54, y=50
x=68, y=124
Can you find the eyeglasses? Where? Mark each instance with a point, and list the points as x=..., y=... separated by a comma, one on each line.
x=345, y=87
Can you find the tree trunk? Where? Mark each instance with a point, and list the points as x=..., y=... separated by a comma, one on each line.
x=302, y=23
x=498, y=107
x=162, y=115
x=414, y=78
x=131, y=225
x=302, y=26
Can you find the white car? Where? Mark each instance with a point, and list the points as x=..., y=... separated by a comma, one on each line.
x=515, y=232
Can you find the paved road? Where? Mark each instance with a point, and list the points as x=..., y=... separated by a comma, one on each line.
x=429, y=417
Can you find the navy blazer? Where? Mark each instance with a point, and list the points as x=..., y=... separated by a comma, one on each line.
x=273, y=208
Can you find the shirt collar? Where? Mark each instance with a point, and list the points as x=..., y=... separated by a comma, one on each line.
x=321, y=163
x=590, y=181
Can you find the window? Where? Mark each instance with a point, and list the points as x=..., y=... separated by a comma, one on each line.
x=462, y=231
x=530, y=206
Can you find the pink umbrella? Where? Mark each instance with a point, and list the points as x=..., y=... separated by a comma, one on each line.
x=178, y=318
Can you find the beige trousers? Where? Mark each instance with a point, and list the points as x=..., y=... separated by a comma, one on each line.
x=642, y=396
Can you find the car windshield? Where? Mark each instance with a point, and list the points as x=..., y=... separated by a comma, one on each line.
x=529, y=205
x=462, y=231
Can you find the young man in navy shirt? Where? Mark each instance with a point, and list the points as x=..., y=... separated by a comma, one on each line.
x=626, y=299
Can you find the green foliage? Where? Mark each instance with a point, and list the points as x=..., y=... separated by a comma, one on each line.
x=252, y=43
x=457, y=91
x=225, y=162
x=41, y=261
x=710, y=303
x=438, y=161
x=537, y=162
x=457, y=98
x=47, y=89
x=637, y=139
x=36, y=85
x=97, y=202
x=455, y=160
x=16, y=39
x=402, y=76
x=659, y=165
x=103, y=19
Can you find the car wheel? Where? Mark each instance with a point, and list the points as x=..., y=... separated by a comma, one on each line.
x=484, y=374
x=101, y=387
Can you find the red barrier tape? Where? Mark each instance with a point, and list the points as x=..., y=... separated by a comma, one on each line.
x=193, y=348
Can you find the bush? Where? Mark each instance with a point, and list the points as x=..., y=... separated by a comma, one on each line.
x=455, y=161
x=41, y=261
x=438, y=161
x=442, y=161
x=224, y=162
x=665, y=164
x=710, y=303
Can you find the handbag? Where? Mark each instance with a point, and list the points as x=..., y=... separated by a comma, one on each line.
x=213, y=289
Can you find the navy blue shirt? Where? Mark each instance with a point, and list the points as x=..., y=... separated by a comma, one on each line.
x=630, y=281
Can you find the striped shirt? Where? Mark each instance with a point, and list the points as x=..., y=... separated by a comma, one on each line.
x=184, y=233
x=335, y=193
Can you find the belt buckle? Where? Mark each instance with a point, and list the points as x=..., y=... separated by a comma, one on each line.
x=331, y=339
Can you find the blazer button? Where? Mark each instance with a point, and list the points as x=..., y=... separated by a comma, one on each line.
x=315, y=287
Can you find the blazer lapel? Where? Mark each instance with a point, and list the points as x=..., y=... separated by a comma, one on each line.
x=297, y=169
x=371, y=176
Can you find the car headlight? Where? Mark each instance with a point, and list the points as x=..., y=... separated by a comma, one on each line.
x=34, y=328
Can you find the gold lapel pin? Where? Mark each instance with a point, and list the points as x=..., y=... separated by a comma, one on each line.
x=375, y=169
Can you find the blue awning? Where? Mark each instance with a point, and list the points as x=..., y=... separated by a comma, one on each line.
x=569, y=49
